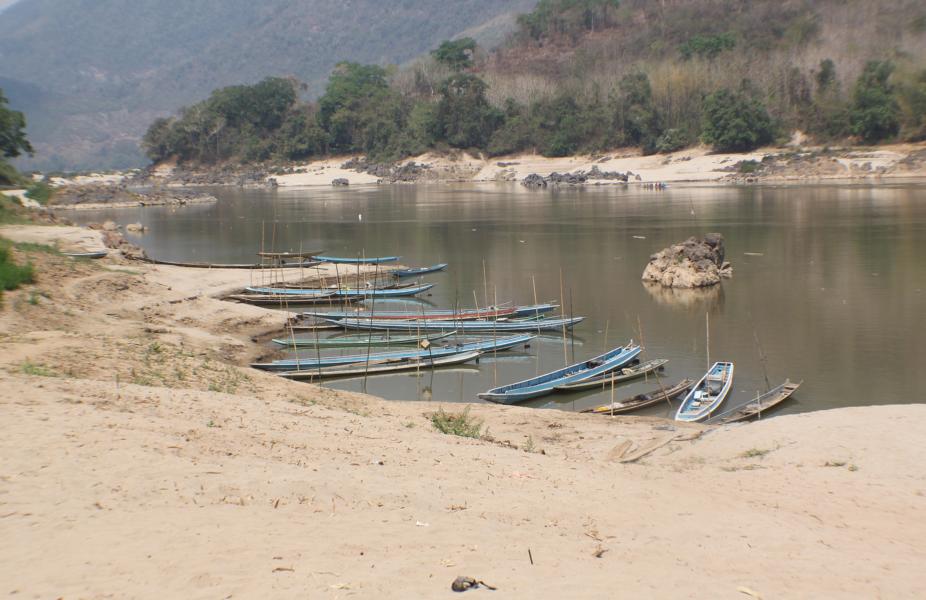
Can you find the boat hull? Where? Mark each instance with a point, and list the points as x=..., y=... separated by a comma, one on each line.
x=547, y=383
x=379, y=369
x=614, y=377
x=420, y=271
x=709, y=393
x=487, y=327
x=754, y=408
x=643, y=400
x=361, y=341
x=397, y=292
x=357, y=261
x=496, y=345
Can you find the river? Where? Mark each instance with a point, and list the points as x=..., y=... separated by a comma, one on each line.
x=829, y=280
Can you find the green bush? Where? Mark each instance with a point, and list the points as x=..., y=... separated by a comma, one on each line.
x=11, y=274
x=41, y=192
x=551, y=18
x=748, y=166
x=735, y=122
x=456, y=54
x=875, y=114
x=671, y=140
x=461, y=424
x=707, y=46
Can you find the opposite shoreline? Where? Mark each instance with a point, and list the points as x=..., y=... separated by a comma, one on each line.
x=780, y=165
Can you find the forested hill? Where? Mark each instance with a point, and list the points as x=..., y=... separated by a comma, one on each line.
x=592, y=75
x=91, y=75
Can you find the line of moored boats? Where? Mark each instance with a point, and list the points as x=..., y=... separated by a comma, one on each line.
x=431, y=340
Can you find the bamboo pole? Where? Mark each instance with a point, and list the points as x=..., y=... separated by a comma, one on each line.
x=485, y=282
x=707, y=346
x=562, y=304
x=366, y=368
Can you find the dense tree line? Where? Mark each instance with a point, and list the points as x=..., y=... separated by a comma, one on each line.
x=387, y=114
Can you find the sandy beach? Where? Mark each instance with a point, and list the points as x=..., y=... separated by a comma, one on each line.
x=691, y=165
x=143, y=459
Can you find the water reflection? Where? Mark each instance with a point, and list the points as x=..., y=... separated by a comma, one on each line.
x=694, y=300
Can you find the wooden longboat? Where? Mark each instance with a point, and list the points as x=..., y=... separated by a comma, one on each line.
x=643, y=400
x=290, y=255
x=625, y=374
x=253, y=266
x=312, y=327
x=464, y=326
x=356, y=261
x=93, y=255
x=546, y=383
x=380, y=367
x=438, y=315
x=756, y=407
x=435, y=351
x=391, y=292
x=419, y=270
x=284, y=299
x=708, y=394
x=466, y=314
x=361, y=341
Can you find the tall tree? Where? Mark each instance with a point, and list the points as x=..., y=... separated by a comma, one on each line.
x=875, y=114
x=466, y=118
x=13, y=140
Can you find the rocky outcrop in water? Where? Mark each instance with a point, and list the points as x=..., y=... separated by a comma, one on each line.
x=596, y=173
x=690, y=264
x=94, y=195
x=534, y=181
x=340, y=182
x=577, y=178
x=408, y=172
x=567, y=178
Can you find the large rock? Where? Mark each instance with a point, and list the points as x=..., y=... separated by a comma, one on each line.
x=691, y=264
x=534, y=181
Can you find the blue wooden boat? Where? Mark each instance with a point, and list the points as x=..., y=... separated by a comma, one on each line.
x=535, y=310
x=708, y=394
x=544, y=384
x=361, y=340
x=423, y=315
x=463, y=326
x=387, y=366
x=488, y=345
x=466, y=314
x=420, y=270
x=396, y=292
x=357, y=261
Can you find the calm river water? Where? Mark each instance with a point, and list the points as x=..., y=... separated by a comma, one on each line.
x=830, y=279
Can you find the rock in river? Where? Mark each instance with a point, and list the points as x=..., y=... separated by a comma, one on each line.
x=690, y=264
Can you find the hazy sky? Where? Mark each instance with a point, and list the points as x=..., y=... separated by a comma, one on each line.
x=5, y=3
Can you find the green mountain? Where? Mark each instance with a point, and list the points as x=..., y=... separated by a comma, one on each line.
x=91, y=75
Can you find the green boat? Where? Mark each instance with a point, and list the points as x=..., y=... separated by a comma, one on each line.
x=362, y=341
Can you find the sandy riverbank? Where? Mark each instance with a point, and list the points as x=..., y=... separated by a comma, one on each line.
x=690, y=165
x=142, y=460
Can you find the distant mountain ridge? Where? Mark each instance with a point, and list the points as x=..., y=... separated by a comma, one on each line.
x=92, y=74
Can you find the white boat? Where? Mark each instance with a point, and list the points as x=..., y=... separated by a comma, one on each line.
x=708, y=394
